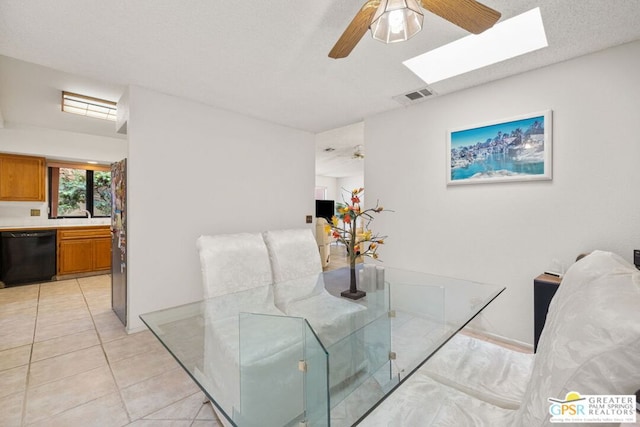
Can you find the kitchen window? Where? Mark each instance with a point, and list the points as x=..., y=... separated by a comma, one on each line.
x=75, y=189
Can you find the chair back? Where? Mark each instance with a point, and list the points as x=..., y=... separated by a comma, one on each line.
x=591, y=340
x=293, y=253
x=323, y=237
x=233, y=263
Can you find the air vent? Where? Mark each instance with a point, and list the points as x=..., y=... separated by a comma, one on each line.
x=414, y=96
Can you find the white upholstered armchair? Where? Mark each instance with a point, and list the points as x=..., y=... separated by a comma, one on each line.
x=590, y=345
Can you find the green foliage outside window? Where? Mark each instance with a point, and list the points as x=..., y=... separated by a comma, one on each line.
x=102, y=193
x=72, y=192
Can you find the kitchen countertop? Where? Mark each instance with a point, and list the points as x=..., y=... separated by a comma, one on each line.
x=29, y=224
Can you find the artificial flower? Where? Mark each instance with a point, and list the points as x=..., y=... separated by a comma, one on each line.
x=353, y=215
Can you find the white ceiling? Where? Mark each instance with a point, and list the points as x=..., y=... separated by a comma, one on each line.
x=336, y=149
x=31, y=94
x=262, y=59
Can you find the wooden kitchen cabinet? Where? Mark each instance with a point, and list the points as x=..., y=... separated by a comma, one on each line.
x=83, y=249
x=22, y=178
x=75, y=256
x=102, y=253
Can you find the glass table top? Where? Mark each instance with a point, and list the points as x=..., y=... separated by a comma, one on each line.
x=297, y=354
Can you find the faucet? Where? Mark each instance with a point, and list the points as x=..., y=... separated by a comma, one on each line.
x=88, y=213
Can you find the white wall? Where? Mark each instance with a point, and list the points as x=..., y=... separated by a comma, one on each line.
x=196, y=170
x=53, y=144
x=336, y=186
x=346, y=185
x=59, y=144
x=330, y=183
x=509, y=233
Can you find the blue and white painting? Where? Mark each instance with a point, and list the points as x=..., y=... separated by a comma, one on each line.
x=513, y=150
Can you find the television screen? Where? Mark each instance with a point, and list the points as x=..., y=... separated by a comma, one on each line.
x=325, y=209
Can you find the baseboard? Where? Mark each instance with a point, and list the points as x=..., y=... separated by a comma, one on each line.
x=136, y=330
x=499, y=339
x=59, y=277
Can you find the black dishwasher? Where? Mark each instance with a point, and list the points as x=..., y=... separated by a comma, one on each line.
x=27, y=256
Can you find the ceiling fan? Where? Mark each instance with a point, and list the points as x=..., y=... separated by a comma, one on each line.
x=467, y=14
x=358, y=152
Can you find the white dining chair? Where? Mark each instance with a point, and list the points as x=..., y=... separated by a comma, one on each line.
x=299, y=291
x=239, y=372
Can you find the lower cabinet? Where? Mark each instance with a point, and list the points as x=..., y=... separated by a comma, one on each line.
x=83, y=249
x=75, y=256
x=102, y=253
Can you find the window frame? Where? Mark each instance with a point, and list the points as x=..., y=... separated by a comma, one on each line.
x=53, y=168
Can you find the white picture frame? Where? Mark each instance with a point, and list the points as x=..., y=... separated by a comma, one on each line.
x=514, y=149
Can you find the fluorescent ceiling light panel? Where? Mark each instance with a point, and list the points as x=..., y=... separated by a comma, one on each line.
x=516, y=36
x=88, y=106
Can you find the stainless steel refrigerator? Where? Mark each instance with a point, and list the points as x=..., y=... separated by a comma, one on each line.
x=119, y=239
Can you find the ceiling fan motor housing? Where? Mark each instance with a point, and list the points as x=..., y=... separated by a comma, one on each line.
x=396, y=21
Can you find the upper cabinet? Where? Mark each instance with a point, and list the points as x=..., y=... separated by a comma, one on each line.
x=22, y=178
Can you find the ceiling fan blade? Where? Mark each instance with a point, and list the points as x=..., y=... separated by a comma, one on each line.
x=354, y=32
x=467, y=14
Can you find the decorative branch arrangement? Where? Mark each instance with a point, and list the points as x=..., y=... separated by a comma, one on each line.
x=344, y=229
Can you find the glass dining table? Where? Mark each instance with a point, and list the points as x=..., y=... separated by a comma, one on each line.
x=297, y=354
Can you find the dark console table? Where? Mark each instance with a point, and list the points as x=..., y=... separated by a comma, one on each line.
x=544, y=288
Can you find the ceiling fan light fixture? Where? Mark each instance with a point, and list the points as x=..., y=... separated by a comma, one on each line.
x=396, y=21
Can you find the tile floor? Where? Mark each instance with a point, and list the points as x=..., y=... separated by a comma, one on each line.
x=338, y=258
x=65, y=360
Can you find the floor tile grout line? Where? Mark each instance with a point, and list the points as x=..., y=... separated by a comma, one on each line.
x=71, y=408
x=30, y=362
x=142, y=417
x=39, y=297
x=104, y=353
x=202, y=405
x=109, y=361
x=23, y=415
x=62, y=354
x=31, y=350
x=69, y=375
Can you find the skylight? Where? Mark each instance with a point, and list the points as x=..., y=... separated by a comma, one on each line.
x=514, y=37
x=88, y=106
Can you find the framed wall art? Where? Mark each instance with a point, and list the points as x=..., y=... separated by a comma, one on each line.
x=515, y=149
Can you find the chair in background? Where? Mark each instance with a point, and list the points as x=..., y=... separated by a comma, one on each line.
x=324, y=239
x=299, y=291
